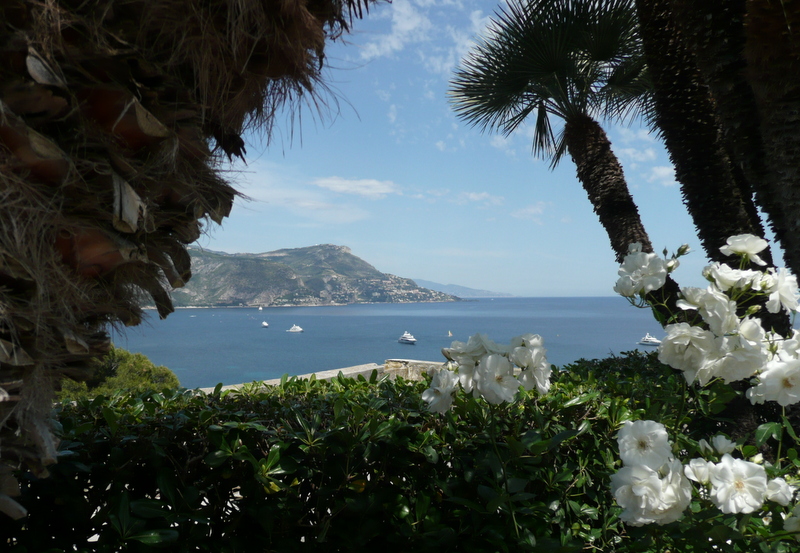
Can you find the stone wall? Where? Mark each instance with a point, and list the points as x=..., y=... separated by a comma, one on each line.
x=410, y=369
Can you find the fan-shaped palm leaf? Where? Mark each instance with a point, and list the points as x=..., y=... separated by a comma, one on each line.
x=561, y=58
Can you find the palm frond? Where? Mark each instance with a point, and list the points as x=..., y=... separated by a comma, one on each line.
x=628, y=91
x=552, y=55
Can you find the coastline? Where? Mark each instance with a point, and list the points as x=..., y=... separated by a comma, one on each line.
x=152, y=307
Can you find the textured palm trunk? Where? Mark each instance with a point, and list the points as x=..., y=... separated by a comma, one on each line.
x=685, y=116
x=110, y=113
x=600, y=173
x=714, y=31
x=772, y=52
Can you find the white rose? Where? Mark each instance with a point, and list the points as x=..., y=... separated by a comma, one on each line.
x=780, y=382
x=699, y=470
x=640, y=273
x=649, y=496
x=690, y=349
x=792, y=524
x=705, y=447
x=536, y=370
x=722, y=444
x=787, y=348
x=725, y=277
x=745, y=245
x=466, y=374
x=439, y=396
x=782, y=289
x=644, y=443
x=716, y=309
x=738, y=486
x=744, y=354
x=494, y=379
x=527, y=340
x=626, y=286
x=779, y=491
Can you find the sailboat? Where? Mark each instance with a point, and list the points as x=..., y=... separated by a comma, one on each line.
x=449, y=334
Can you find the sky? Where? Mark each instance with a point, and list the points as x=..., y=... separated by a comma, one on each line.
x=383, y=166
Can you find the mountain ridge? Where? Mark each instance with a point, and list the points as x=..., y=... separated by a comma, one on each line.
x=461, y=291
x=324, y=274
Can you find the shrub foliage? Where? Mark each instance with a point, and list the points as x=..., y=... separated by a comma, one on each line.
x=351, y=464
x=120, y=369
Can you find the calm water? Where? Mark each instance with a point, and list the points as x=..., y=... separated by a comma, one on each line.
x=207, y=346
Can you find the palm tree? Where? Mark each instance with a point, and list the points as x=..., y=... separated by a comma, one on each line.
x=707, y=113
x=115, y=118
x=720, y=204
x=746, y=53
x=560, y=58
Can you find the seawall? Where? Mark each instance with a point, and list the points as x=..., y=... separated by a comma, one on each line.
x=410, y=369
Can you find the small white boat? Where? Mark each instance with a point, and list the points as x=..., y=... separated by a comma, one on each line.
x=295, y=328
x=260, y=308
x=407, y=338
x=264, y=324
x=449, y=334
x=649, y=340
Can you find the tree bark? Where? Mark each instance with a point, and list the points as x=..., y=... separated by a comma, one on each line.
x=772, y=51
x=601, y=175
x=714, y=31
x=685, y=117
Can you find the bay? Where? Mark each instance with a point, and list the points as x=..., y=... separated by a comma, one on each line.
x=229, y=345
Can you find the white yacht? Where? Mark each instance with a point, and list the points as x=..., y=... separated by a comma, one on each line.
x=649, y=340
x=407, y=338
x=295, y=328
x=264, y=324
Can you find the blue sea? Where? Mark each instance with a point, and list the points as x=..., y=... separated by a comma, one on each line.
x=208, y=346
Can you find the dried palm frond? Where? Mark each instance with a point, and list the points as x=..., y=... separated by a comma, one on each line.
x=115, y=116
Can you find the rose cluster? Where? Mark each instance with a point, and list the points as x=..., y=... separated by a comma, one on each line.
x=654, y=487
x=490, y=370
x=724, y=340
x=641, y=272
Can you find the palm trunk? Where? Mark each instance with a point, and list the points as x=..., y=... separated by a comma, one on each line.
x=773, y=52
x=714, y=31
x=601, y=175
x=685, y=117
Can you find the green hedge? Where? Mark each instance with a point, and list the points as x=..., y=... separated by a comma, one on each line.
x=351, y=465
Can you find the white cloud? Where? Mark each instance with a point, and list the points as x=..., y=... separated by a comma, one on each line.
x=531, y=212
x=303, y=203
x=369, y=188
x=441, y=146
x=480, y=197
x=663, y=175
x=392, y=115
x=636, y=154
x=442, y=60
x=409, y=25
x=503, y=143
x=639, y=135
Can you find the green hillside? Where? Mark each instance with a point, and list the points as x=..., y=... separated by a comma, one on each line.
x=317, y=275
